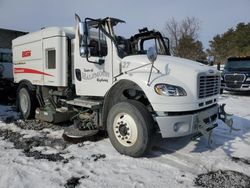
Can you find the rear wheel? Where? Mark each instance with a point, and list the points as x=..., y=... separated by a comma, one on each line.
x=130, y=128
x=26, y=101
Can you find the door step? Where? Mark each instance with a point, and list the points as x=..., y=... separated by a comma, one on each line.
x=87, y=103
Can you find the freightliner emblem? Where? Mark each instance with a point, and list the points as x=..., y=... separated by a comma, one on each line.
x=211, y=71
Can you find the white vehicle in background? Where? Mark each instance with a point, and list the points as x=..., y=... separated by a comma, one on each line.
x=106, y=82
x=6, y=63
x=6, y=73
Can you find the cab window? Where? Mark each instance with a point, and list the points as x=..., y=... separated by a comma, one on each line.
x=51, y=58
x=153, y=42
x=97, y=43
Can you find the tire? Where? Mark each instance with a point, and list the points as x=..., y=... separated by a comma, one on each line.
x=26, y=101
x=130, y=128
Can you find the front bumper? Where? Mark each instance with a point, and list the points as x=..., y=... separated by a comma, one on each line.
x=183, y=125
x=244, y=87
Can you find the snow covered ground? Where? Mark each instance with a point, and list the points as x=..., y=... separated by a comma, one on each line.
x=40, y=158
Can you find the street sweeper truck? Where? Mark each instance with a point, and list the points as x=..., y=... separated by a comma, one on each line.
x=131, y=87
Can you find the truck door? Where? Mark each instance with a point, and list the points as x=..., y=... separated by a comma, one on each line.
x=91, y=78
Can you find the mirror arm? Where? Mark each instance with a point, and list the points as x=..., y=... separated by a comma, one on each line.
x=100, y=62
x=152, y=55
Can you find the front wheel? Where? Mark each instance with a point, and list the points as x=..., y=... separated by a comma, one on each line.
x=130, y=128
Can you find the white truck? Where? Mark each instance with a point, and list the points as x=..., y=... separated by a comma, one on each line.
x=103, y=81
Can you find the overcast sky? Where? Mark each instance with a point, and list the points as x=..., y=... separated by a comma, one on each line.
x=215, y=16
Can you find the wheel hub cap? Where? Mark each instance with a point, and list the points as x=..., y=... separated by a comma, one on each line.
x=24, y=104
x=125, y=129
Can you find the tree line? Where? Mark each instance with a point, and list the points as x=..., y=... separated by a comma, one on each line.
x=184, y=41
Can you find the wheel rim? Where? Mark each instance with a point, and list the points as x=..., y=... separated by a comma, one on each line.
x=24, y=101
x=125, y=129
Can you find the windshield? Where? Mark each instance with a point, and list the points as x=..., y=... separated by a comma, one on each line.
x=136, y=44
x=140, y=42
x=238, y=64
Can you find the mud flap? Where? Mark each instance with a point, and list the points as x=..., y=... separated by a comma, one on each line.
x=226, y=118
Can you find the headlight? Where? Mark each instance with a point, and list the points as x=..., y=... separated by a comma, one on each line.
x=248, y=79
x=169, y=90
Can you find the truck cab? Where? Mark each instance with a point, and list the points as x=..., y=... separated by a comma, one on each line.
x=236, y=74
x=130, y=87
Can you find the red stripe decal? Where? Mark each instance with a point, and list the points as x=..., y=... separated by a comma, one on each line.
x=29, y=71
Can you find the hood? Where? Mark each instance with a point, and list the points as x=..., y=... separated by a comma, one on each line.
x=175, y=71
x=236, y=71
x=165, y=64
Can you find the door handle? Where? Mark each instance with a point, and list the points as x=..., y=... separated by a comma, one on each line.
x=78, y=74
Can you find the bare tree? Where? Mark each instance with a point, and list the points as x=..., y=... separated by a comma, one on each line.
x=190, y=27
x=173, y=32
x=181, y=31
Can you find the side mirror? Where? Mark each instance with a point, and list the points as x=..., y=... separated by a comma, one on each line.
x=152, y=54
x=210, y=60
x=84, y=41
x=83, y=38
x=81, y=28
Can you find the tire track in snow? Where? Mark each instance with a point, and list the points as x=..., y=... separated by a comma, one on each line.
x=123, y=166
x=172, y=159
x=181, y=161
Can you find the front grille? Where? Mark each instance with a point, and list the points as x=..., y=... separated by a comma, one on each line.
x=234, y=77
x=234, y=85
x=208, y=86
